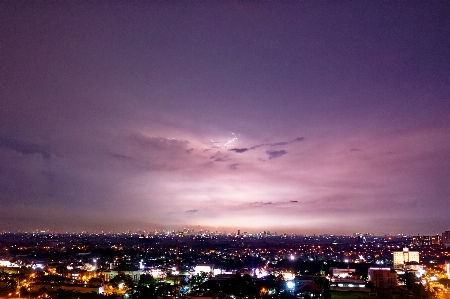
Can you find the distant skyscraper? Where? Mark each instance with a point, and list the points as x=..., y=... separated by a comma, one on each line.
x=405, y=256
x=426, y=240
x=436, y=240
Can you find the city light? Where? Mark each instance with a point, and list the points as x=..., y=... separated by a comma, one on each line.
x=290, y=284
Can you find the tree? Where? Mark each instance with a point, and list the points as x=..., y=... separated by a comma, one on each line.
x=242, y=287
x=370, y=286
x=120, y=284
x=410, y=280
x=122, y=281
x=11, y=284
x=146, y=287
x=198, y=279
x=95, y=281
x=146, y=280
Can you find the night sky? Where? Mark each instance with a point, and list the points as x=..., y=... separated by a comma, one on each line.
x=288, y=116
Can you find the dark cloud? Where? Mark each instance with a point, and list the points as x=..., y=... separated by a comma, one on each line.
x=233, y=166
x=239, y=150
x=275, y=154
x=24, y=147
x=279, y=143
x=215, y=156
x=287, y=142
x=256, y=146
x=192, y=211
x=219, y=157
x=293, y=201
x=355, y=150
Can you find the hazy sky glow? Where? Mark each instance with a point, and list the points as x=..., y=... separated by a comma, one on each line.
x=305, y=117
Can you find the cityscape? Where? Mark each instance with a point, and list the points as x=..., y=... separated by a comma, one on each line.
x=203, y=264
x=224, y=149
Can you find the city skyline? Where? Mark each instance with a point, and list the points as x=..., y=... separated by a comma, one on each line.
x=298, y=117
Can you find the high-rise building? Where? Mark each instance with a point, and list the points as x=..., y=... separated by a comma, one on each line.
x=436, y=240
x=446, y=238
x=426, y=240
x=405, y=256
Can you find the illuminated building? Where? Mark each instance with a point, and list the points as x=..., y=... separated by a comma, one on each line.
x=206, y=268
x=341, y=273
x=426, y=240
x=446, y=238
x=405, y=256
x=346, y=284
x=436, y=240
x=110, y=274
x=383, y=277
x=447, y=268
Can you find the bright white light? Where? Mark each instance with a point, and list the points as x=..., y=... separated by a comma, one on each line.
x=292, y=257
x=226, y=144
x=230, y=141
x=261, y=273
x=420, y=272
x=290, y=284
x=38, y=266
x=203, y=268
x=288, y=275
x=156, y=273
x=4, y=263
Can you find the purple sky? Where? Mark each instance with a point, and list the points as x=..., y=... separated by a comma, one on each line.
x=295, y=116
